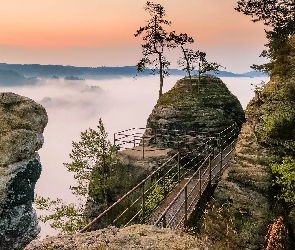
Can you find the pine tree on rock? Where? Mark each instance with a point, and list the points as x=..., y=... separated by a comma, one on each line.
x=155, y=39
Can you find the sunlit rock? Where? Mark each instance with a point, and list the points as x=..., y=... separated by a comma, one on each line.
x=193, y=108
x=22, y=122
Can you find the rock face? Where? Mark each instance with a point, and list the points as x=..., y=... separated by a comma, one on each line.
x=193, y=108
x=132, y=237
x=209, y=110
x=244, y=201
x=22, y=122
x=240, y=212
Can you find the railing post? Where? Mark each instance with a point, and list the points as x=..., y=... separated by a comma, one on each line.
x=114, y=139
x=220, y=165
x=185, y=205
x=134, y=144
x=200, y=181
x=220, y=154
x=219, y=142
x=178, y=167
x=210, y=174
x=164, y=184
x=164, y=221
x=143, y=147
x=143, y=204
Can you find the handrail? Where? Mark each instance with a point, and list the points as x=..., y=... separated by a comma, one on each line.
x=201, y=182
x=128, y=193
x=219, y=141
x=180, y=192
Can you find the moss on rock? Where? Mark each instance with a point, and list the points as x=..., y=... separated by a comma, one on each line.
x=205, y=106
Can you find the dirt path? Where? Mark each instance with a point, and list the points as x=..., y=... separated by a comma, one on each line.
x=148, y=151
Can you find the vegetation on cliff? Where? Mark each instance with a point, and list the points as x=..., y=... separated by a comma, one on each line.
x=157, y=39
x=205, y=106
x=258, y=187
x=93, y=165
x=254, y=200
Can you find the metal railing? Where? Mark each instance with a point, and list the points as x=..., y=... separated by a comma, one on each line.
x=160, y=139
x=179, y=209
x=139, y=203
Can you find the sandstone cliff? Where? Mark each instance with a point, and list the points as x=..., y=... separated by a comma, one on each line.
x=244, y=202
x=192, y=108
x=22, y=122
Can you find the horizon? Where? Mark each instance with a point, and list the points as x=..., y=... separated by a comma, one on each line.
x=122, y=66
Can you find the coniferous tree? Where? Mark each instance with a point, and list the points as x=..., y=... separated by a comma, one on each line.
x=92, y=162
x=186, y=62
x=191, y=59
x=279, y=17
x=155, y=39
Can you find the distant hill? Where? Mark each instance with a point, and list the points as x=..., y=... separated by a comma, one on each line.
x=48, y=71
x=12, y=78
x=73, y=78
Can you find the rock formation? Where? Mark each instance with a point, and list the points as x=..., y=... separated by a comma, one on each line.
x=133, y=237
x=208, y=109
x=193, y=107
x=22, y=122
x=244, y=201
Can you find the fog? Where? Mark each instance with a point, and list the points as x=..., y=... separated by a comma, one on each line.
x=75, y=106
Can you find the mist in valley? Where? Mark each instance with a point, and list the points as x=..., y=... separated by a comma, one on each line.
x=74, y=106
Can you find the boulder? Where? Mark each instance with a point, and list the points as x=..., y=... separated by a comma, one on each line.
x=22, y=122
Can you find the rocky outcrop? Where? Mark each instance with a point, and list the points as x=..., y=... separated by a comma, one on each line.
x=22, y=122
x=239, y=215
x=244, y=201
x=132, y=237
x=193, y=108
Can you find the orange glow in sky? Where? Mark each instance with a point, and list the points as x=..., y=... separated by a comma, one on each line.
x=99, y=25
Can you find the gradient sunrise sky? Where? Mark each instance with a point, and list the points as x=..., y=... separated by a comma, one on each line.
x=101, y=32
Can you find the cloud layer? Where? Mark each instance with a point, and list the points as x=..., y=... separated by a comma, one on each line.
x=74, y=106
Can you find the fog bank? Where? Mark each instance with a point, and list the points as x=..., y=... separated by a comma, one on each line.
x=74, y=106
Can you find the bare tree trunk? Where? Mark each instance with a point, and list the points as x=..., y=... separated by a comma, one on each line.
x=161, y=76
x=187, y=68
x=187, y=63
x=199, y=77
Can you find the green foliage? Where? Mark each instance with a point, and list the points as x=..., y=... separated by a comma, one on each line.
x=93, y=161
x=276, y=109
x=284, y=178
x=279, y=124
x=279, y=34
x=66, y=217
x=155, y=39
x=157, y=193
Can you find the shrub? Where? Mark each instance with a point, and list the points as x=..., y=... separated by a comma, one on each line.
x=284, y=178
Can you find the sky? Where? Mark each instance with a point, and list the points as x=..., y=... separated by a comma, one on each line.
x=101, y=32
